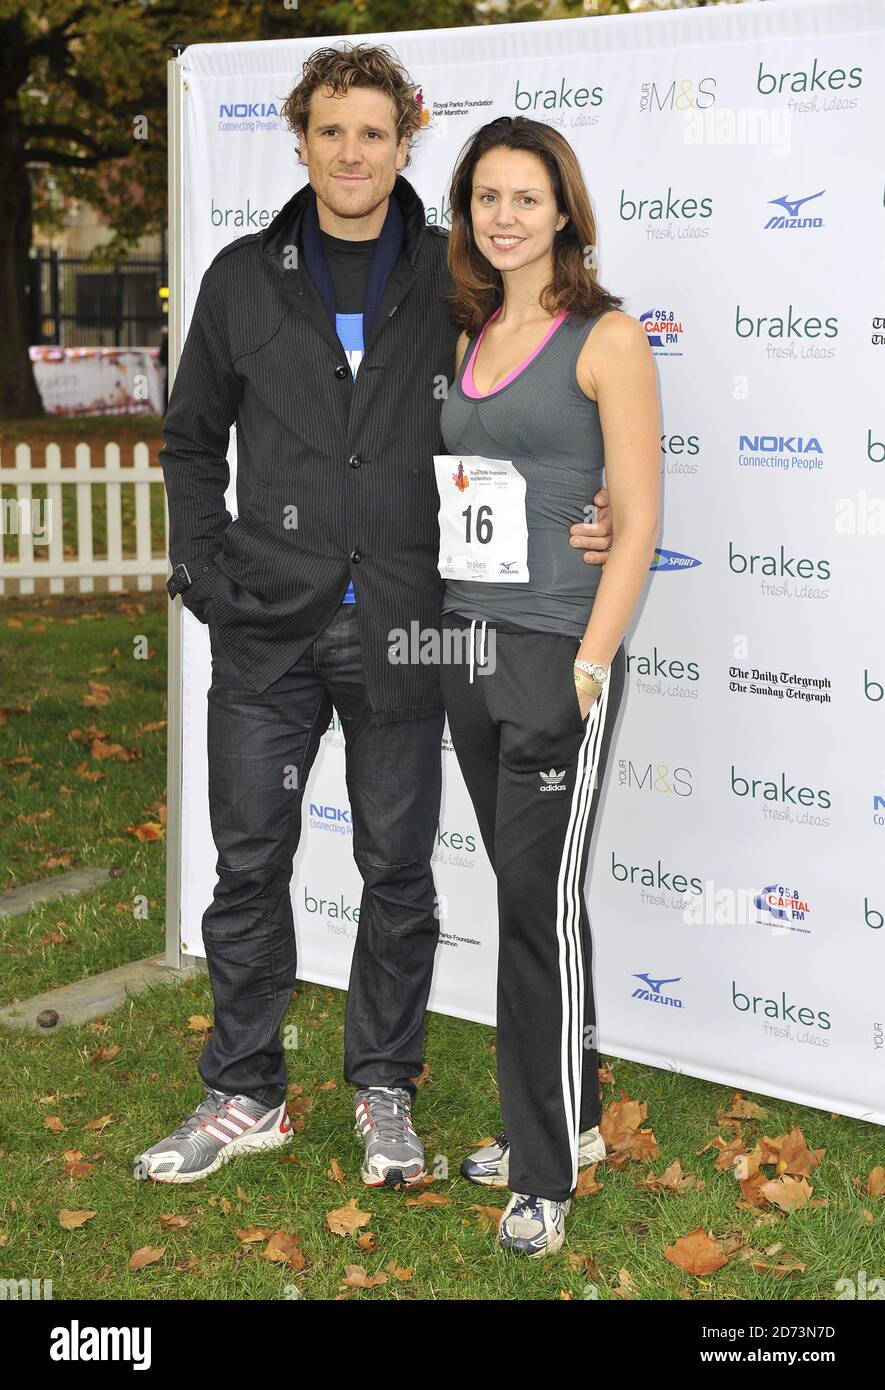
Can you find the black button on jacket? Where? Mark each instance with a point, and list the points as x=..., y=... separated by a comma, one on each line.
x=261, y=353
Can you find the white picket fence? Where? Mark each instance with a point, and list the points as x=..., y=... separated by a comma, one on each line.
x=37, y=522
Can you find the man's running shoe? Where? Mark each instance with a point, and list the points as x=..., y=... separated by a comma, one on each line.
x=533, y=1226
x=221, y=1127
x=393, y=1152
x=490, y=1165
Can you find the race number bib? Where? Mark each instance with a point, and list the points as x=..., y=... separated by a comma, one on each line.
x=483, y=534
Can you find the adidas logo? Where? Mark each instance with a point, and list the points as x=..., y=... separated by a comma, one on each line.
x=552, y=781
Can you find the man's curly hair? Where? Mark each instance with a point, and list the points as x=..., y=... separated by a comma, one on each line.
x=355, y=65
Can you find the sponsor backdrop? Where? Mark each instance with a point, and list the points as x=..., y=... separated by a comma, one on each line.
x=736, y=884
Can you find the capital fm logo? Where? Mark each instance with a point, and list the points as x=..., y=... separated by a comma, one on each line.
x=664, y=331
x=783, y=909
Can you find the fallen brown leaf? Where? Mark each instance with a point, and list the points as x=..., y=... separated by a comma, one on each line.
x=355, y=1277
x=71, y=1220
x=284, y=1249
x=587, y=1185
x=697, y=1253
x=147, y=1255
x=875, y=1183
x=344, y=1221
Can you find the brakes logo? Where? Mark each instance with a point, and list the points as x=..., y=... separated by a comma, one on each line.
x=653, y=991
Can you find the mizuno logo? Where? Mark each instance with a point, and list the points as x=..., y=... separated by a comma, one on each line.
x=655, y=985
x=792, y=205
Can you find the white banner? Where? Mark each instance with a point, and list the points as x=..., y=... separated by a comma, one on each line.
x=99, y=380
x=737, y=880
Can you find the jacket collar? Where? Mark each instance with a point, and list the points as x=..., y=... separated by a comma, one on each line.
x=306, y=283
x=285, y=229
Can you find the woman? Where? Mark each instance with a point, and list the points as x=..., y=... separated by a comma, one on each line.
x=557, y=381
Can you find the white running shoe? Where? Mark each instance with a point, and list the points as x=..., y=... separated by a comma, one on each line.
x=490, y=1165
x=533, y=1226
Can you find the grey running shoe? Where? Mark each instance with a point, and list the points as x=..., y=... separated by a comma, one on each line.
x=393, y=1152
x=490, y=1165
x=533, y=1226
x=221, y=1127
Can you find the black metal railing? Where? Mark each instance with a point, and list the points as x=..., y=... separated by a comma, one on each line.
x=76, y=303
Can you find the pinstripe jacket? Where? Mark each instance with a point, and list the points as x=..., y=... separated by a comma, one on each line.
x=335, y=475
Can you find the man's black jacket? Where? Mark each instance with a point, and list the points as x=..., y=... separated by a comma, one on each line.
x=335, y=475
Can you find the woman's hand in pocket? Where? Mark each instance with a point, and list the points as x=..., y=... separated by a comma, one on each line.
x=585, y=702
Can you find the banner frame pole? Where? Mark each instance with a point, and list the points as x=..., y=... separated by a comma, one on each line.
x=176, y=88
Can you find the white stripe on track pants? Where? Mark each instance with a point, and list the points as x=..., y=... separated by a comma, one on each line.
x=534, y=769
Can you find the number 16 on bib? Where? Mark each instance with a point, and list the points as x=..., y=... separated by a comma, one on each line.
x=483, y=533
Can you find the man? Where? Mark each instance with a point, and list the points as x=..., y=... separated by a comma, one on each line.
x=324, y=338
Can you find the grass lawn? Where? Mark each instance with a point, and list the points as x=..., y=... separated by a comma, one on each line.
x=80, y=1103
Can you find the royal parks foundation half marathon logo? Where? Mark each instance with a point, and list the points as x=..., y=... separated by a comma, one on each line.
x=438, y=109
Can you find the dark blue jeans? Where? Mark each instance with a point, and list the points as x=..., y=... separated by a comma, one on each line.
x=261, y=747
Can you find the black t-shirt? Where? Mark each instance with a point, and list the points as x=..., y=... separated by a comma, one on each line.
x=349, y=263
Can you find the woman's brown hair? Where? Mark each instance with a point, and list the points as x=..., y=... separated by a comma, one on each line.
x=479, y=289
x=355, y=65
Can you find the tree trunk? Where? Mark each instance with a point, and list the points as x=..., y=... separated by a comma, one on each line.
x=19, y=397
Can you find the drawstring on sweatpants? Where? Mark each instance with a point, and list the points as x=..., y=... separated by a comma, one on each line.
x=482, y=645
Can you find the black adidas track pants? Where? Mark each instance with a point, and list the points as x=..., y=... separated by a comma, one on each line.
x=534, y=769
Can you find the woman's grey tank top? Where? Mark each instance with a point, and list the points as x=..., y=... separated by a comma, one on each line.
x=550, y=431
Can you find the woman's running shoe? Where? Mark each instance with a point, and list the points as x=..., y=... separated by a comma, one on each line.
x=533, y=1226
x=218, y=1130
x=490, y=1165
x=393, y=1152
